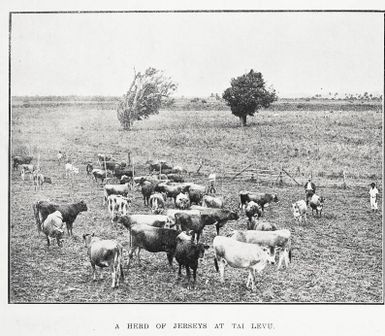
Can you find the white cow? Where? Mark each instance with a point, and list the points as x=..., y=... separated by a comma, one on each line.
x=240, y=255
x=70, y=170
x=279, y=239
x=299, y=210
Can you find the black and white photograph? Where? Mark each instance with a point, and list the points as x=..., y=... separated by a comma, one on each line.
x=199, y=156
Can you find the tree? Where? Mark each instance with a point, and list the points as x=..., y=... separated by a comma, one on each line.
x=248, y=94
x=146, y=95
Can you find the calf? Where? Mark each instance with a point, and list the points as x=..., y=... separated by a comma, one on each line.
x=182, y=201
x=317, y=204
x=105, y=253
x=150, y=238
x=100, y=174
x=115, y=189
x=27, y=169
x=70, y=170
x=119, y=204
x=52, y=227
x=187, y=254
x=240, y=255
x=157, y=202
x=279, y=239
x=212, y=202
x=68, y=211
x=39, y=179
x=253, y=210
x=299, y=209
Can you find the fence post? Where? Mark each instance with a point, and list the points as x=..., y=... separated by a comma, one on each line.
x=133, y=175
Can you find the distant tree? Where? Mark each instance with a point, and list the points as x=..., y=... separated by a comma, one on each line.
x=248, y=94
x=147, y=94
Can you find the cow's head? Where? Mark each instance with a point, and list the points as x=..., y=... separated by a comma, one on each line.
x=295, y=210
x=82, y=206
x=87, y=238
x=269, y=254
x=58, y=234
x=201, y=250
x=233, y=215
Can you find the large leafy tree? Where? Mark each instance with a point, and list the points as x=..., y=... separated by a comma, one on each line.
x=147, y=92
x=248, y=94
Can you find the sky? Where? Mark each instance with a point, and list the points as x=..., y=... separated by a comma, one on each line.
x=299, y=54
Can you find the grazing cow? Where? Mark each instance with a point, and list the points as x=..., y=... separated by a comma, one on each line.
x=68, y=211
x=119, y=204
x=70, y=170
x=115, y=189
x=150, y=238
x=299, y=210
x=182, y=201
x=261, y=225
x=157, y=202
x=21, y=159
x=52, y=227
x=240, y=255
x=187, y=254
x=253, y=210
x=100, y=174
x=105, y=253
x=196, y=192
x=27, y=169
x=39, y=179
x=272, y=239
x=317, y=204
x=219, y=217
x=212, y=202
x=261, y=198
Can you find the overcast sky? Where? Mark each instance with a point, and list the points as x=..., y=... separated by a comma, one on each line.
x=297, y=53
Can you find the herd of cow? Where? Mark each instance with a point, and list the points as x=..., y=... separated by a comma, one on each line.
x=176, y=230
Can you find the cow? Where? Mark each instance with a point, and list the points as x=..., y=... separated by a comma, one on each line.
x=105, y=253
x=182, y=201
x=309, y=190
x=157, y=202
x=52, y=227
x=119, y=204
x=70, y=170
x=68, y=211
x=115, y=189
x=261, y=198
x=299, y=209
x=240, y=255
x=171, y=213
x=150, y=238
x=189, y=222
x=39, y=179
x=196, y=193
x=261, y=225
x=27, y=169
x=102, y=158
x=212, y=202
x=187, y=254
x=158, y=166
x=171, y=189
x=21, y=159
x=100, y=174
x=279, y=239
x=219, y=217
x=161, y=221
x=317, y=203
x=253, y=210
x=147, y=189
x=175, y=177
x=119, y=171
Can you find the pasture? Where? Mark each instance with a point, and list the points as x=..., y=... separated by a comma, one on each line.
x=336, y=258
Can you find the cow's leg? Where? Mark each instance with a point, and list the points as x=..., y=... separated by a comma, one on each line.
x=249, y=277
x=198, y=236
x=113, y=275
x=48, y=243
x=194, y=276
x=188, y=277
x=287, y=260
x=139, y=256
x=130, y=254
x=179, y=272
x=221, y=265
x=170, y=257
x=93, y=271
x=217, y=227
x=281, y=257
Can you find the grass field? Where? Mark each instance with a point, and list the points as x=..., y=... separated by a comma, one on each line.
x=336, y=258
